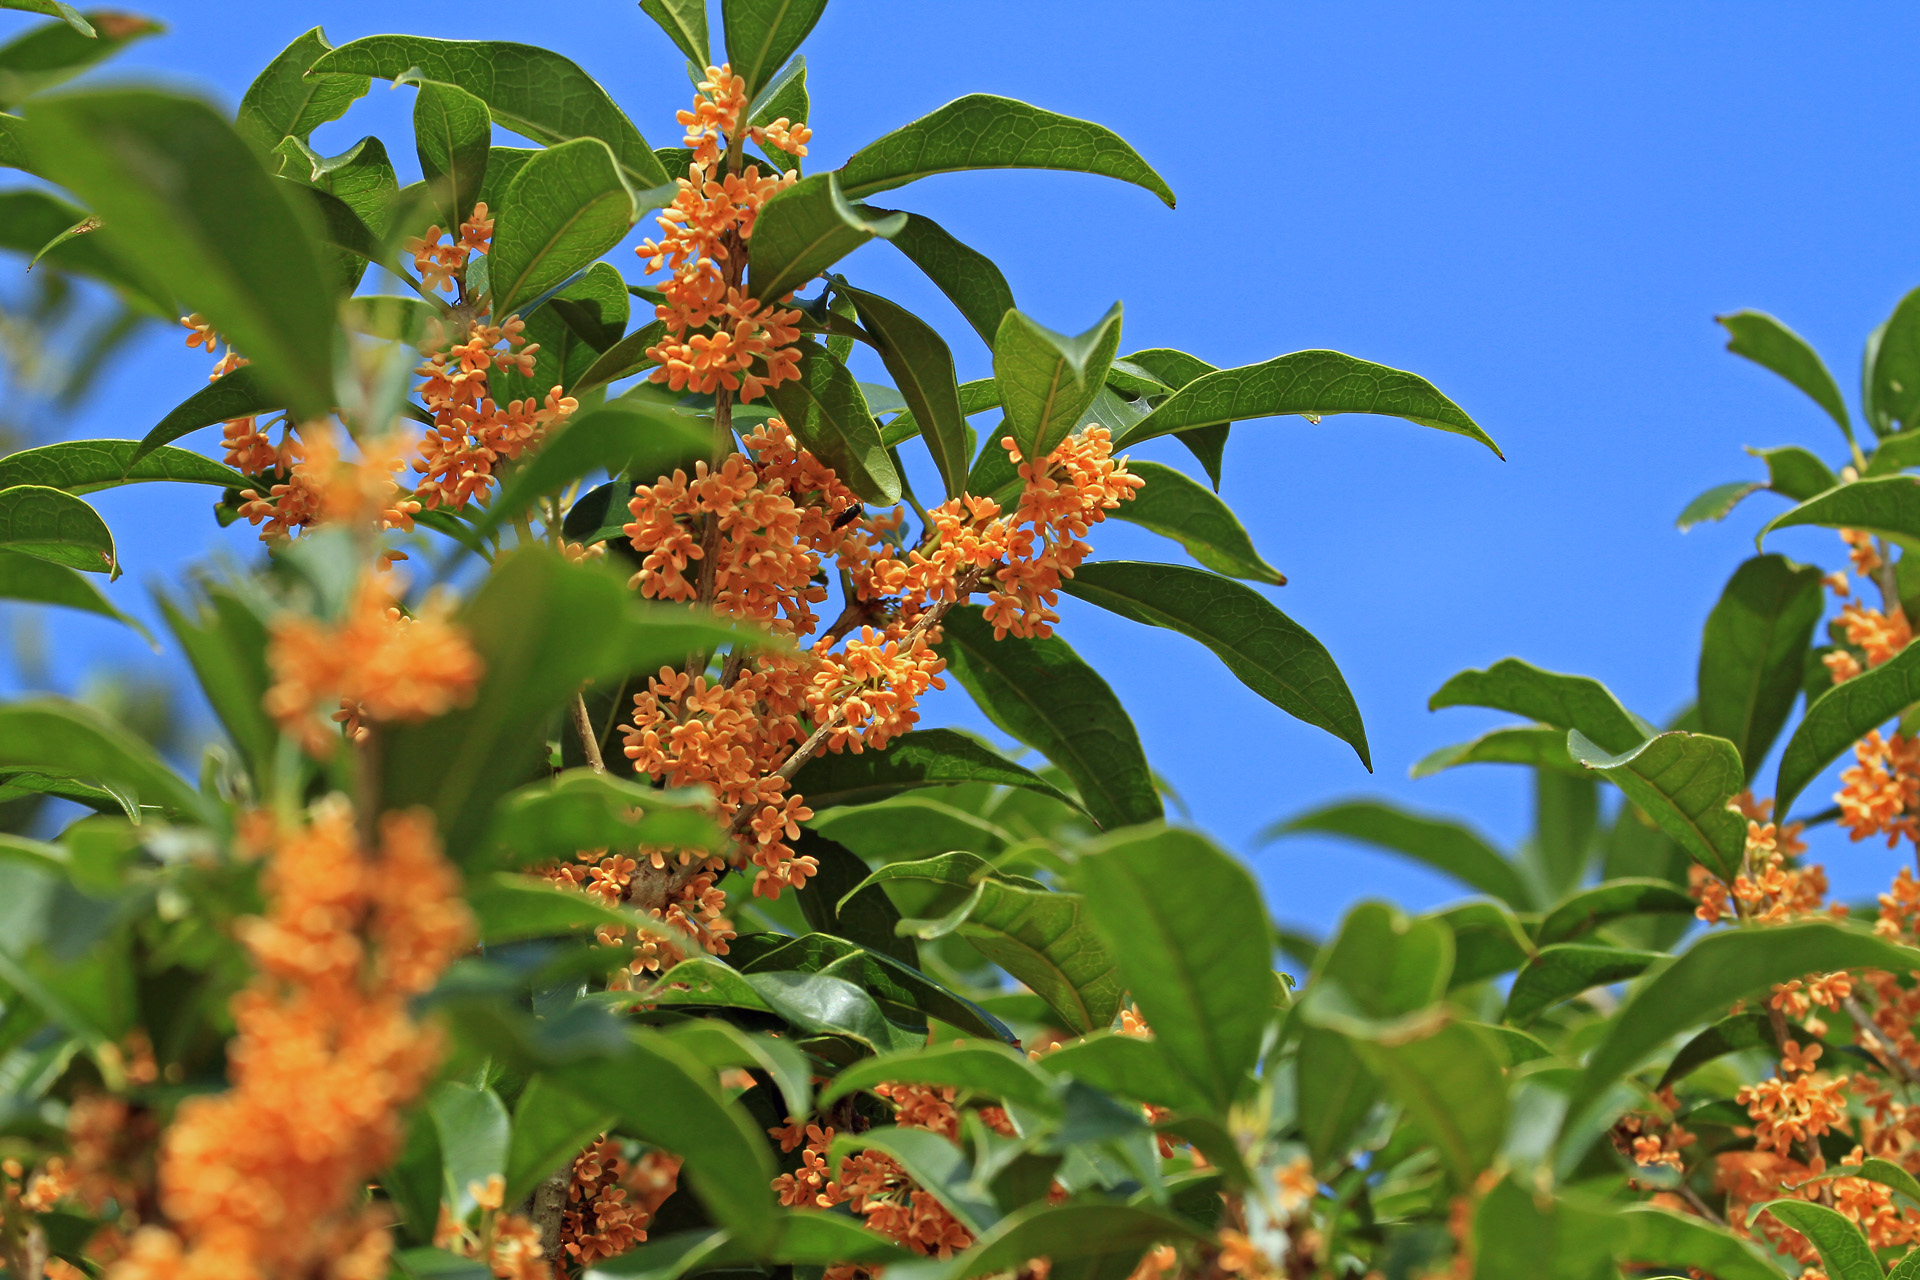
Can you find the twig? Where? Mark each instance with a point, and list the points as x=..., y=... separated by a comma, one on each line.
x=589, y=741
x=1864, y=1021
x=1700, y=1206
x=549, y=1203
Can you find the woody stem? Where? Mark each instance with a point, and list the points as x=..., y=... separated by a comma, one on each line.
x=589, y=740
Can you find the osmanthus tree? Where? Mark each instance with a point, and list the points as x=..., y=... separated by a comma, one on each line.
x=591, y=903
x=1743, y=1106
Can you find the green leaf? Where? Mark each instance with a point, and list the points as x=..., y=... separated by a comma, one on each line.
x=284, y=102
x=1447, y=847
x=1566, y=814
x=1568, y=702
x=1884, y=1172
x=1488, y=940
x=1660, y=1237
x=1125, y=1066
x=513, y=908
x=829, y=899
x=1840, y=717
x=1716, y=503
x=1046, y=380
x=663, y=1095
x=920, y=758
x=62, y=737
x=1271, y=653
x=1800, y=475
x=186, y=203
x=534, y=92
x=1042, y=693
x=1894, y=454
x=975, y=397
x=763, y=34
x=931, y=1161
x=1561, y=972
x=1720, y=969
x=881, y=976
x=239, y=394
x=566, y=207
x=1768, y=343
x=1520, y=1232
x=921, y=366
x=977, y=1067
x=1066, y=1233
x=30, y=220
x=1453, y=1087
x=911, y=826
x=1844, y=1252
x=830, y=419
x=1536, y=745
x=550, y=1127
x=474, y=1138
x=804, y=230
x=452, y=134
x=54, y=9
x=1890, y=393
x=1042, y=938
x=1177, y=507
x=1754, y=652
x=577, y=324
x=84, y=466
x=582, y=809
x=1888, y=505
x=984, y=131
x=1729, y=1035
x=55, y=526
x=685, y=22
x=44, y=56
x=1682, y=781
x=226, y=643
x=1186, y=924
x=1176, y=369
x=784, y=97
x=1614, y=900
x=973, y=284
x=813, y=1003
x=1314, y=384
x=623, y=359
x=39, y=581
x=13, y=144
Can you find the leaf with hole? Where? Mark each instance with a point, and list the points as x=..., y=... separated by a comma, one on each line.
x=284, y=102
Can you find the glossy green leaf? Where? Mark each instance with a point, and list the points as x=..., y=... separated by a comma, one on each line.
x=622, y=360
x=186, y=203
x=513, y=908
x=1716, y=503
x=970, y=280
x=37, y=581
x=284, y=102
x=830, y=418
x=1447, y=847
x=685, y=22
x=984, y=131
x=1768, y=343
x=720, y=1045
x=534, y=92
x=474, y=1136
x=977, y=1067
x=54, y=9
x=1844, y=1252
x=1682, y=781
x=882, y=976
x=1271, y=653
x=1177, y=507
x=452, y=134
x=1661, y=1237
x=1720, y=969
x=63, y=737
x=1561, y=972
x=1589, y=909
x=804, y=230
x=763, y=34
x=550, y=1127
x=831, y=899
x=84, y=466
x=1890, y=395
x=573, y=329
x=1841, y=716
x=239, y=394
x=1125, y=1066
x=1536, y=745
x=1729, y=1035
x=1887, y=505
x=1568, y=702
x=661, y=1094
x=55, y=526
x=566, y=207
x=783, y=98
x=917, y=759
x=1176, y=369
x=1799, y=474
x=1042, y=693
x=583, y=809
x=912, y=826
x=1186, y=924
x=44, y=56
x=1046, y=380
x=1754, y=652
x=1314, y=384
x=1067, y=1233
x=812, y=1003
x=921, y=366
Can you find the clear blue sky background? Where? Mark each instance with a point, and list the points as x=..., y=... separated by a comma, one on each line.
x=1538, y=207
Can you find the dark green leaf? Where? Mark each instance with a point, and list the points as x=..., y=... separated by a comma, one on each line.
x=971, y=281
x=1754, y=651
x=583, y=320
x=1716, y=503
x=566, y=207
x=550, y=1127
x=1800, y=475
x=1568, y=702
x=828, y=899
x=226, y=643
x=1729, y=1035
x=39, y=581
x=1614, y=900
x=1177, y=507
x=978, y=1067
x=534, y=92
x=1561, y=972
x=685, y=22
x=1660, y=1237
x=1176, y=369
x=830, y=418
x=763, y=34
x=1452, y=1085
x=452, y=133
x=911, y=826
x=922, y=368
x=921, y=758
x=1891, y=392
x=237, y=395
x=1841, y=716
x=62, y=737
x=1888, y=505
x=1536, y=745
x=813, y=1003
x=1768, y=343
x=984, y=131
x=804, y=230
x=474, y=1136
x=720, y=1045
x=784, y=98
x=185, y=201
x=583, y=809
x=83, y=466
x=1186, y=924
x=623, y=359
x=1488, y=940
x=1844, y=1252
x=55, y=526
x=1271, y=653
x=54, y=9
x=1447, y=847
x=284, y=102
x=1042, y=693
x=975, y=397
x=1046, y=380
x=881, y=976
x=1894, y=454
x=1683, y=782
x=513, y=908
x=1566, y=818
x=1315, y=384
x=44, y=56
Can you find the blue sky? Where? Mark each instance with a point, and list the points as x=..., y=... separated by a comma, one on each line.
x=1538, y=207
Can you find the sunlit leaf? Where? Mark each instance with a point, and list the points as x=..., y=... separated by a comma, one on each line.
x=1770, y=344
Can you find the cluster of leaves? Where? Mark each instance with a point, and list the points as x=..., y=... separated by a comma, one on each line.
x=966, y=906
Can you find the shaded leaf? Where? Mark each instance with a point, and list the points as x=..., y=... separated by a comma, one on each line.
x=550, y=1127
x=226, y=643
x=831, y=899
x=719, y=1045
x=813, y=1003
x=920, y=758
x=992, y=1070
x=44, y=56
x=1729, y=1035
x=1888, y=505
x=830, y=419
x=37, y=581
x=452, y=134
x=1754, y=652
x=1536, y=745
x=1452, y=1086
x=1840, y=717
x=1891, y=396
x=1065, y=1233
x=84, y=466
x=1561, y=972
x=1447, y=847
x=1488, y=940
x=582, y=809
x=921, y=367
x=1614, y=900
x=1177, y=507
x=931, y=1161
x=1800, y=475
x=58, y=736
x=1126, y=1066
x=804, y=230
x=474, y=1136
x=973, y=284
x=1768, y=343
x=1660, y=1237
x=1046, y=380
x=883, y=977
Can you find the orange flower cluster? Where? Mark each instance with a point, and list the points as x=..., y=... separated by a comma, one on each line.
x=266, y=1179
x=249, y=449
x=376, y=664
x=1771, y=888
x=1789, y=1110
x=610, y=1203
x=507, y=1242
x=1880, y=794
x=717, y=336
x=443, y=267
x=874, y=1186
